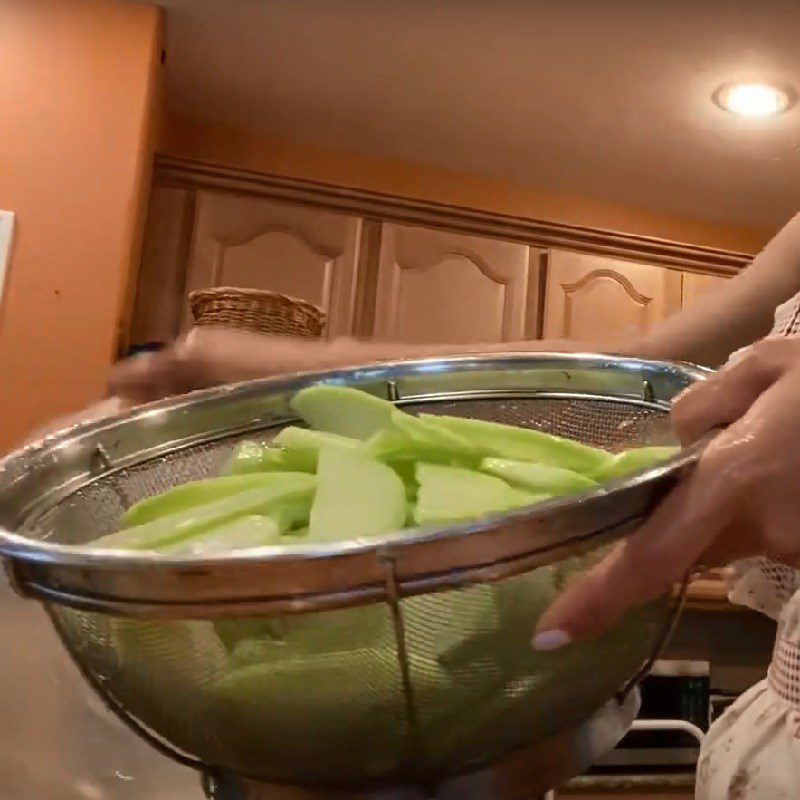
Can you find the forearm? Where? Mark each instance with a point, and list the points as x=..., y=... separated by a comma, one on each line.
x=212, y=356
x=739, y=313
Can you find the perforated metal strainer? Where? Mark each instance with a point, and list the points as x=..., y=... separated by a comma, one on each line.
x=399, y=661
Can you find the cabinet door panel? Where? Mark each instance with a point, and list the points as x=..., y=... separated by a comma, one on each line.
x=696, y=286
x=158, y=307
x=593, y=298
x=301, y=252
x=436, y=286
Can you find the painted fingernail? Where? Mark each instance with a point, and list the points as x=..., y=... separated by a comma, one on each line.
x=546, y=641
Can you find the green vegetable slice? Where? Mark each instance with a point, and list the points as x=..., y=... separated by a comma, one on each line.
x=630, y=461
x=198, y=520
x=293, y=635
x=304, y=439
x=198, y=493
x=449, y=494
x=252, y=457
x=537, y=477
x=342, y=410
x=356, y=496
x=241, y=534
x=524, y=444
x=421, y=430
x=395, y=445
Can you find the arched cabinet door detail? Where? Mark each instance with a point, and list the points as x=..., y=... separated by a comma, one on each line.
x=435, y=286
x=590, y=298
x=260, y=244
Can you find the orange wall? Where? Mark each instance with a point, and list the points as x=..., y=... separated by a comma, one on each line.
x=78, y=80
x=220, y=145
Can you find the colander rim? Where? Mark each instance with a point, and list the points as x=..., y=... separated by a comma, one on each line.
x=35, y=554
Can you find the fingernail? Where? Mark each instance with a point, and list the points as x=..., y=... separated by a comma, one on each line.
x=546, y=641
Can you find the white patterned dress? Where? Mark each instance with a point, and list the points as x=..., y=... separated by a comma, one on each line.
x=753, y=751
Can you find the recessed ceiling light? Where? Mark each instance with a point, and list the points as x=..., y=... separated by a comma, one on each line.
x=754, y=99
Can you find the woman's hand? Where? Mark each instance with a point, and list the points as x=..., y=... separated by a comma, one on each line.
x=212, y=356
x=742, y=499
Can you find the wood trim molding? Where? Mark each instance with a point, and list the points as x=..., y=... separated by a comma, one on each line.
x=185, y=173
x=366, y=288
x=538, y=295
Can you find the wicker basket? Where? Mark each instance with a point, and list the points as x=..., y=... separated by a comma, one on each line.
x=256, y=310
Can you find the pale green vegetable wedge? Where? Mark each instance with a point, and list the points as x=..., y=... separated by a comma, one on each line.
x=342, y=410
x=241, y=534
x=402, y=452
x=256, y=651
x=359, y=693
x=292, y=516
x=356, y=496
x=407, y=471
x=449, y=494
x=304, y=439
x=292, y=635
x=630, y=461
x=198, y=493
x=348, y=412
x=195, y=521
x=425, y=433
x=332, y=689
x=536, y=477
x=179, y=660
x=251, y=457
x=395, y=445
x=523, y=444
x=262, y=629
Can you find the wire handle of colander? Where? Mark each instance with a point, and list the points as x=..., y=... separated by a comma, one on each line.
x=670, y=623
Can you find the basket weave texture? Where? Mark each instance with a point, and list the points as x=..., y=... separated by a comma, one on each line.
x=256, y=310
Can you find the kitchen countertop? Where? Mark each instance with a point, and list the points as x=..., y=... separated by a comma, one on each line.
x=57, y=741
x=666, y=783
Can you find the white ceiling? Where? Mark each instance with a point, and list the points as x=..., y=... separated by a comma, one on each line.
x=607, y=98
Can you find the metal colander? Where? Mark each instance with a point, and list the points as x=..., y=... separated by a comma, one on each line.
x=402, y=661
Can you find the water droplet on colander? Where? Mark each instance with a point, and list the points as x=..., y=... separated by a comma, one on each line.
x=122, y=776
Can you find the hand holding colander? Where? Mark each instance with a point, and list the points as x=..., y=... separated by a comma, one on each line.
x=739, y=502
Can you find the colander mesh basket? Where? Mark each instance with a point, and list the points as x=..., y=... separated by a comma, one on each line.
x=375, y=694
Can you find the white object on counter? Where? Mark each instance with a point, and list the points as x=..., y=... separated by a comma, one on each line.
x=668, y=725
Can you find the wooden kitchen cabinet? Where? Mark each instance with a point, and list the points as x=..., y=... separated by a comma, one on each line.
x=592, y=298
x=160, y=300
x=438, y=286
x=250, y=242
x=377, y=276
x=697, y=285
